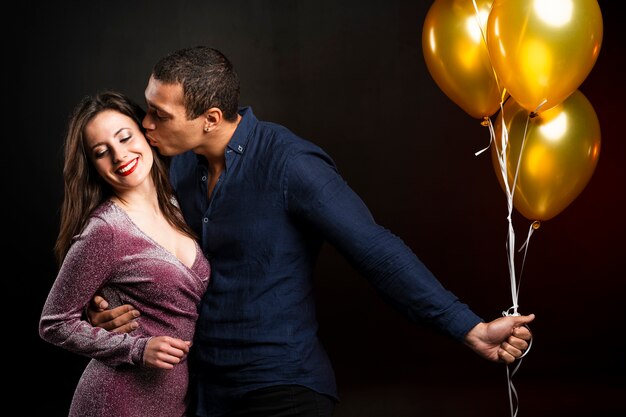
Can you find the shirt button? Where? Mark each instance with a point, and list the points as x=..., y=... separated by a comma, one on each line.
x=206, y=219
x=204, y=178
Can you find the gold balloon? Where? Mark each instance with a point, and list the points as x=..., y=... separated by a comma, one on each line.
x=542, y=50
x=456, y=55
x=559, y=156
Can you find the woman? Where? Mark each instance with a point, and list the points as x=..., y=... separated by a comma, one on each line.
x=122, y=236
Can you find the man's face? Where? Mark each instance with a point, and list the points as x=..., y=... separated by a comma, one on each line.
x=166, y=123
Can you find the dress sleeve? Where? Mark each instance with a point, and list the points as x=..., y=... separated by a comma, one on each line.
x=316, y=192
x=89, y=264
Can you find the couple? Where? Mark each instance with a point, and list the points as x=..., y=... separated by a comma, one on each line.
x=258, y=202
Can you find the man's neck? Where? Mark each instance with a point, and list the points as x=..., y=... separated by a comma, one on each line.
x=216, y=144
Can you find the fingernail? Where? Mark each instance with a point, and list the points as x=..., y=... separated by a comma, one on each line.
x=135, y=313
x=134, y=325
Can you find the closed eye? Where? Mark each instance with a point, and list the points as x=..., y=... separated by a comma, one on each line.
x=155, y=113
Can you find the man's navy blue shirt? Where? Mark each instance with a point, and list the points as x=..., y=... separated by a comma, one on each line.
x=277, y=200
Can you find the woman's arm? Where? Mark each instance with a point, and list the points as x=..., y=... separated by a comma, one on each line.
x=88, y=265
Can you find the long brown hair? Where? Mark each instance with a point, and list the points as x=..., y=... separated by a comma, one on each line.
x=84, y=188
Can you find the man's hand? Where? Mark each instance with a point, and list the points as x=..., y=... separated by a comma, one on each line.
x=165, y=352
x=120, y=319
x=502, y=340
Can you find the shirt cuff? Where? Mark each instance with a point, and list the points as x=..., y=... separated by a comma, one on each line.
x=462, y=322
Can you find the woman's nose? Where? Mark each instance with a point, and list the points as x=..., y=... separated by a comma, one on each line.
x=119, y=155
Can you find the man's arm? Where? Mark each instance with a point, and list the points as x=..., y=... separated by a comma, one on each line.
x=120, y=319
x=318, y=194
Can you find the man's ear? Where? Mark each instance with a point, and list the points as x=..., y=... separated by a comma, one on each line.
x=212, y=118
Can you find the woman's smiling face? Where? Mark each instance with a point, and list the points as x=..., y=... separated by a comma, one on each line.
x=118, y=149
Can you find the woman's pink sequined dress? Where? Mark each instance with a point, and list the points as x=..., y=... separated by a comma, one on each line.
x=112, y=256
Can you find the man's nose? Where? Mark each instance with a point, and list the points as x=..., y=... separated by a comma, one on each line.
x=147, y=122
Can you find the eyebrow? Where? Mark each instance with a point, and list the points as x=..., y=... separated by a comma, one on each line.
x=154, y=106
x=114, y=134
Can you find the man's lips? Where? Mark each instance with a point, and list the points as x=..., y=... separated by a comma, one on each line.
x=151, y=141
x=128, y=168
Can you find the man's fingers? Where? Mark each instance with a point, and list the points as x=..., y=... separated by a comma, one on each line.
x=101, y=319
x=124, y=312
x=517, y=343
x=505, y=356
x=511, y=349
x=113, y=319
x=520, y=337
x=126, y=328
x=99, y=303
x=124, y=322
x=522, y=320
x=522, y=332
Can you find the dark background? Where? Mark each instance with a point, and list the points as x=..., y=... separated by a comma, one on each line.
x=349, y=76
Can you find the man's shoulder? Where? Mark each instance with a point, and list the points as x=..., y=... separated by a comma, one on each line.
x=281, y=138
x=274, y=136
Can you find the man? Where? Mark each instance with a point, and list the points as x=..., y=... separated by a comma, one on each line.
x=262, y=201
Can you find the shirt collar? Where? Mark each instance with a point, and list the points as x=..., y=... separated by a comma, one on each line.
x=242, y=134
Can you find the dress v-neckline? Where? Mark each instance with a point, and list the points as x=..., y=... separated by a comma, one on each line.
x=157, y=244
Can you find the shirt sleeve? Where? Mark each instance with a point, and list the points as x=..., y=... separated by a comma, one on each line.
x=316, y=192
x=88, y=265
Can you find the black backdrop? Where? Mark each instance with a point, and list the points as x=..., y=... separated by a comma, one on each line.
x=349, y=76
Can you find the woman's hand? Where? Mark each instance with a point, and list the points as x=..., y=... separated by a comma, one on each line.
x=165, y=352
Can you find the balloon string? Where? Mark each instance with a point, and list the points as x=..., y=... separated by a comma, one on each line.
x=487, y=122
x=513, y=397
x=501, y=152
x=521, y=151
x=480, y=24
x=484, y=38
x=509, y=189
x=533, y=226
x=534, y=112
